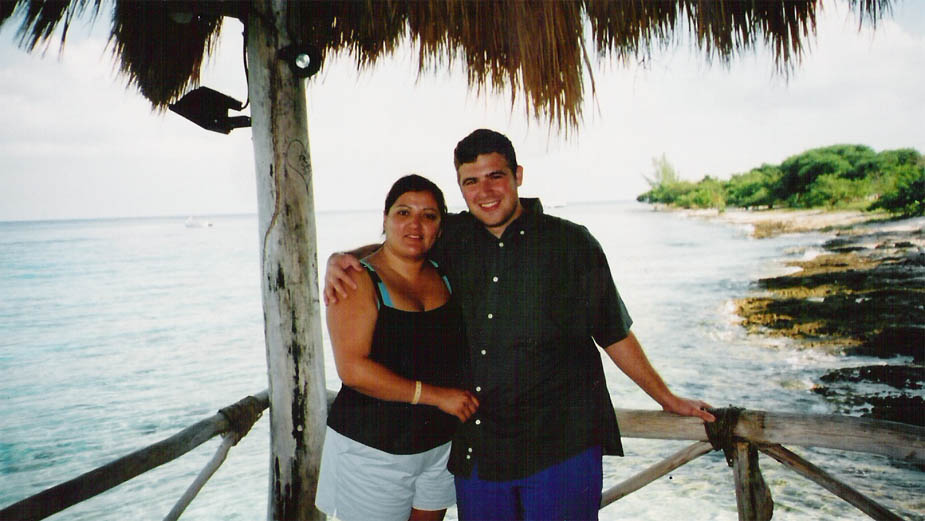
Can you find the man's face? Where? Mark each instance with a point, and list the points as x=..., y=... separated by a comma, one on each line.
x=490, y=189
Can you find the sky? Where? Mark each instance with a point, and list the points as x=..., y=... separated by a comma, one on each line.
x=75, y=143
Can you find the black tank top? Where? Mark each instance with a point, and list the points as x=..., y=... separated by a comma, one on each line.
x=429, y=346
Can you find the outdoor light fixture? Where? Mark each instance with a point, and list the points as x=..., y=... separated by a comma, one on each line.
x=304, y=60
x=209, y=109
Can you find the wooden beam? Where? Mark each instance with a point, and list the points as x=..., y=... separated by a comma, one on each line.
x=114, y=473
x=753, y=498
x=654, y=472
x=204, y=475
x=896, y=440
x=828, y=482
x=659, y=425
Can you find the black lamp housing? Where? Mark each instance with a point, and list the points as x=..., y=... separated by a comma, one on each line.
x=209, y=109
x=304, y=60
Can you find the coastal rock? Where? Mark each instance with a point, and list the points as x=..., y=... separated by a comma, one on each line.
x=895, y=341
x=883, y=405
x=897, y=376
x=866, y=297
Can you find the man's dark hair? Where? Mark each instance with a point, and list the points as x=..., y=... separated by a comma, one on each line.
x=415, y=183
x=484, y=141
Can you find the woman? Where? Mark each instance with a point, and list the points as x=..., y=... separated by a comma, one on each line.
x=399, y=346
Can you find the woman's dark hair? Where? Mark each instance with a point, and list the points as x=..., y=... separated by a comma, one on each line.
x=415, y=183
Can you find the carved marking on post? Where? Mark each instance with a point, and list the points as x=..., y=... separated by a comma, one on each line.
x=266, y=233
x=297, y=158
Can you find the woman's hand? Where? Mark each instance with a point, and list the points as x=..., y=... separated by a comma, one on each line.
x=461, y=404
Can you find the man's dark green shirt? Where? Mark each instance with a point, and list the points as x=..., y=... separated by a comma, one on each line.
x=535, y=302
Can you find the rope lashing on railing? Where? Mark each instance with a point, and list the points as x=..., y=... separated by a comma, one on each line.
x=753, y=497
x=243, y=415
x=720, y=432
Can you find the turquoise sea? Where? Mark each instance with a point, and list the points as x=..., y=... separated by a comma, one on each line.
x=115, y=334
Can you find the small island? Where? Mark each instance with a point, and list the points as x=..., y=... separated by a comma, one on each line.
x=865, y=295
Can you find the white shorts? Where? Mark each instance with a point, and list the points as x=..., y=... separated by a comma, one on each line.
x=359, y=483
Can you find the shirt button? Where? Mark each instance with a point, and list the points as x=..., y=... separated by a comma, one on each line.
x=478, y=388
x=484, y=351
x=468, y=456
x=490, y=316
x=478, y=422
x=494, y=279
x=501, y=245
x=521, y=232
x=470, y=450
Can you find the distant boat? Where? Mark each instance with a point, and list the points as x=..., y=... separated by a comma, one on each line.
x=192, y=222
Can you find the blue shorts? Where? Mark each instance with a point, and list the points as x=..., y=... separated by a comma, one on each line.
x=568, y=490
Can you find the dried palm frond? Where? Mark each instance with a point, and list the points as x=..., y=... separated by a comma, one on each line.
x=536, y=49
x=41, y=18
x=161, y=46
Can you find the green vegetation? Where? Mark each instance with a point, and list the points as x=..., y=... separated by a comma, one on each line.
x=837, y=177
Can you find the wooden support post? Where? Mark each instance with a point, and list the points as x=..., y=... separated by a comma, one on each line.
x=289, y=265
x=204, y=475
x=753, y=497
x=824, y=479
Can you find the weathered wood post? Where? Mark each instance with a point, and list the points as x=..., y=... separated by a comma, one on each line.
x=288, y=266
x=753, y=498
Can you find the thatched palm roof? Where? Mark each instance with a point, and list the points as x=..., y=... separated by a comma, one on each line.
x=537, y=49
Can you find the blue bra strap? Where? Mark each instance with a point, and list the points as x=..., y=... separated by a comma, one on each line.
x=384, y=293
x=445, y=280
x=381, y=291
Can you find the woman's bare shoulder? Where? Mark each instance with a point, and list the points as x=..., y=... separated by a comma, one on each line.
x=361, y=297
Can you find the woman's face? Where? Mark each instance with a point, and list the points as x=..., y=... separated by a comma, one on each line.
x=412, y=224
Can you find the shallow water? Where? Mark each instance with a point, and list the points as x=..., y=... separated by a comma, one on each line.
x=115, y=334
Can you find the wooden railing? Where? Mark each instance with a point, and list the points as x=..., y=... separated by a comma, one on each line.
x=110, y=475
x=766, y=432
x=753, y=431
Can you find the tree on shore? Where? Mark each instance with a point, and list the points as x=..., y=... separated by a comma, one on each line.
x=666, y=185
x=837, y=176
x=908, y=194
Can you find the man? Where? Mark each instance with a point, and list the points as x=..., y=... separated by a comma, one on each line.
x=537, y=294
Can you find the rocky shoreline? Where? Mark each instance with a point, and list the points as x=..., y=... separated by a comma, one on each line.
x=865, y=296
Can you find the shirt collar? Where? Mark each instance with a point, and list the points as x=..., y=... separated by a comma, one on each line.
x=526, y=221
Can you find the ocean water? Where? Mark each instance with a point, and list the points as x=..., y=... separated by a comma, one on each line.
x=115, y=334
